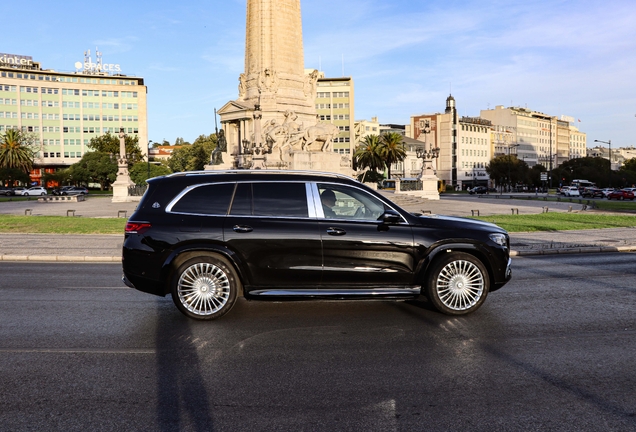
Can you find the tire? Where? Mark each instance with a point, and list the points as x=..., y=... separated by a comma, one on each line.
x=205, y=288
x=457, y=284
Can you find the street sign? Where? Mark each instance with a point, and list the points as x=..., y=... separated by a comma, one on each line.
x=544, y=176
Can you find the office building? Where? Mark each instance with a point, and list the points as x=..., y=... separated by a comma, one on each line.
x=64, y=110
x=335, y=104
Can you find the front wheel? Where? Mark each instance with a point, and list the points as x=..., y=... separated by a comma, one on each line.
x=205, y=288
x=457, y=284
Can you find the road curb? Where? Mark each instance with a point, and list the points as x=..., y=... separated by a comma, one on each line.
x=579, y=250
x=60, y=258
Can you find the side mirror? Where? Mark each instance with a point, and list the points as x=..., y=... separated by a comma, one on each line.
x=390, y=217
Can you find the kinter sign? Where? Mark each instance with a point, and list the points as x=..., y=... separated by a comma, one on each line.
x=15, y=60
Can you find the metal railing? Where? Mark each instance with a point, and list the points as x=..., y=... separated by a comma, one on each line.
x=411, y=185
x=137, y=190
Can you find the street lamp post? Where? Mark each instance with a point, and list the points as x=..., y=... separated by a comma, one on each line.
x=510, y=163
x=609, y=143
x=427, y=155
x=148, y=158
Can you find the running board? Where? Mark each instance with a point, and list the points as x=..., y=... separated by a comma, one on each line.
x=378, y=292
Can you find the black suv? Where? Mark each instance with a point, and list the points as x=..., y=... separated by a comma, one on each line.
x=208, y=237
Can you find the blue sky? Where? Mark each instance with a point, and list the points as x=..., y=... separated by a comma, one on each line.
x=576, y=58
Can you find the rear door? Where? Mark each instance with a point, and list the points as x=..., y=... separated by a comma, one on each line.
x=272, y=227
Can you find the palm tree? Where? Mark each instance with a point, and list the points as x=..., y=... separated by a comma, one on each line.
x=392, y=149
x=15, y=150
x=367, y=154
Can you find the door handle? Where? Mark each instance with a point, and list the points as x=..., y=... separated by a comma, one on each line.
x=242, y=228
x=336, y=231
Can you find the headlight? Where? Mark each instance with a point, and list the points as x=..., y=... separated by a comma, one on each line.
x=500, y=239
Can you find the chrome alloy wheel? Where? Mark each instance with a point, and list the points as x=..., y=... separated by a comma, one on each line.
x=460, y=285
x=203, y=288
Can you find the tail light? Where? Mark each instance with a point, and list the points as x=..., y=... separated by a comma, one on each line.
x=137, y=227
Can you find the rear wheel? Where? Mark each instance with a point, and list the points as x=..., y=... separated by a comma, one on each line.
x=457, y=284
x=205, y=288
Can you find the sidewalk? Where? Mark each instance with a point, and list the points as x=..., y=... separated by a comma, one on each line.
x=107, y=248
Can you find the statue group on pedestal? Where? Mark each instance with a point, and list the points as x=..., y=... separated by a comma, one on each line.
x=292, y=135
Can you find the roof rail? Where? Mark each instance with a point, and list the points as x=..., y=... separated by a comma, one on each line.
x=259, y=171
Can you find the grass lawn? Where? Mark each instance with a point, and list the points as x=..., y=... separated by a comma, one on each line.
x=61, y=225
x=559, y=221
x=512, y=223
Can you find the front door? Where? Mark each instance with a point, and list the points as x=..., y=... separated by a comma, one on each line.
x=358, y=250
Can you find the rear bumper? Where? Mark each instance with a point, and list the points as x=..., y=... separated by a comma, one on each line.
x=143, y=285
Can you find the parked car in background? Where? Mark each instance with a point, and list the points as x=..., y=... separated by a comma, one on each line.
x=6, y=191
x=18, y=190
x=570, y=191
x=75, y=190
x=37, y=190
x=593, y=192
x=607, y=191
x=208, y=237
x=58, y=191
x=621, y=195
x=478, y=190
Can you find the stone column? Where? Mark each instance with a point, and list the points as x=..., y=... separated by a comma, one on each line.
x=123, y=182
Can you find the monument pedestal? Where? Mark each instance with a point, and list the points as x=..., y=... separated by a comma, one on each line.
x=120, y=189
x=226, y=165
x=314, y=161
x=429, y=188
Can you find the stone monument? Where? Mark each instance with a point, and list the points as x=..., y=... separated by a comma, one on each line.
x=273, y=123
x=123, y=181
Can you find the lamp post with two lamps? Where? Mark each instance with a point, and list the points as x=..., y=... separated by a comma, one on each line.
x=609, y=143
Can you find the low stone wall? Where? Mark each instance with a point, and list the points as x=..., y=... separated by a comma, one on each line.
x=64, y=198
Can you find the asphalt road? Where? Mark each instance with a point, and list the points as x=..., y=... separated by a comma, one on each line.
x=553, y=350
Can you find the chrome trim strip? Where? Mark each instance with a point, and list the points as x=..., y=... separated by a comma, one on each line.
x=318, y=210
x=336, y=292
x=311, y=201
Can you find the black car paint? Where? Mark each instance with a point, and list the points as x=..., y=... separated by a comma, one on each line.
x=149, y=258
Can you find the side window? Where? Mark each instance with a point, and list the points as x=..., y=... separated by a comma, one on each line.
x=271, y=199
x=208, y=200
x=344, y=202
x=242, y=204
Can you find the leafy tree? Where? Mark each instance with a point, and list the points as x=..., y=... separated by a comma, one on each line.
x=17, y=150
x=95, y=167
x=139, y=172
x=61, y=177
x=193, y=157
x=534, y=175
x=629, y=165
x=367, y=155
x=392, y=149
x=594, y=169
x=507, y=169
x=9, y=177
x=109, y=144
